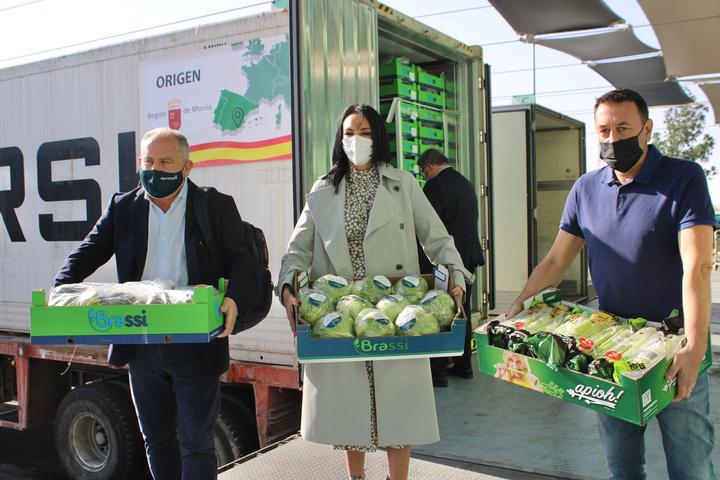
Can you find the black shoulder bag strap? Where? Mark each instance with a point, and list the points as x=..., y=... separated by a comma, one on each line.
x=202, y=218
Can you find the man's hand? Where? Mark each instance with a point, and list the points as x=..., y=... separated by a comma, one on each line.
x=229, y=308
x=685, y=366
x=515, y=308
x=289, y=301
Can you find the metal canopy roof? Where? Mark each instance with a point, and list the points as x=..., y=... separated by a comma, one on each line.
x=598, y=46
x=688, y=32
x=552, y=16
x=645, y=76
x=689, y=35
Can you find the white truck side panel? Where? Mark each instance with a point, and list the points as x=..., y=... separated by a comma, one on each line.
x=96, y=94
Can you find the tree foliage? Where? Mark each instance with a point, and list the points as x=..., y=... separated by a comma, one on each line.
x=684, y=135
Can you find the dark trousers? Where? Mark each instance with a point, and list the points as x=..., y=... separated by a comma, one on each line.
x=464, y=362
x=177, y=401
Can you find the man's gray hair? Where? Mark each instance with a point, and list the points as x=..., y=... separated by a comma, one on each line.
x=165, y=132
x=432, y=155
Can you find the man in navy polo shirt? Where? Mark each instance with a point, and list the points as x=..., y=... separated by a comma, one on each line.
x=648, y=222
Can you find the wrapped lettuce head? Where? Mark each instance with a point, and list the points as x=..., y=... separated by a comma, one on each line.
x=414, y=320
x=333, y=286
x=371, y=322
x=392, y=305
x=333, y=325
x=440, y=305
x=351, y=305
x=372, y=289
x=413, y=287
x=314, y=305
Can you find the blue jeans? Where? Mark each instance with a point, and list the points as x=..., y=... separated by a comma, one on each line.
x=688, y=439
x=177, y=401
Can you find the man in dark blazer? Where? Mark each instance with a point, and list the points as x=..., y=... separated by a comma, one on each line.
x=153, y=234
x=453, y=198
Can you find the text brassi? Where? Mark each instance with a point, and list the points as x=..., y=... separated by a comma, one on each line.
x=101, y=322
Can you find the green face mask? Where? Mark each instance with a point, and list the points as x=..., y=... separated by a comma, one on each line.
x=161, y=184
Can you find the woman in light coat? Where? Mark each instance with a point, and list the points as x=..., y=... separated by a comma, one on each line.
x=362, y=219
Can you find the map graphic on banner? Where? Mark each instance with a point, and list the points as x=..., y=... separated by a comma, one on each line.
x=232, y=101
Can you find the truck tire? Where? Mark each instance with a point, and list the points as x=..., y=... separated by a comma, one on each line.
x=97, y=436
x=235, y=437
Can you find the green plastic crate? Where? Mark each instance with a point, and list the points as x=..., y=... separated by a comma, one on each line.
x=399, y=70
x=410, y=163
x=430, y=81
x=409, y=127
x=430, y=97
x=428, y=115
x=407, y=110
x=409, y=146
x=431, y=133
x=399, y=88
x=424, y=145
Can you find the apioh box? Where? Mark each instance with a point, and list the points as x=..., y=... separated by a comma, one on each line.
x=196, y=322
x=637, y=398
x=323, y=350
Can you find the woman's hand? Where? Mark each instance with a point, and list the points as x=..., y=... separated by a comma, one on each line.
x=289, y=301
x=459, y=293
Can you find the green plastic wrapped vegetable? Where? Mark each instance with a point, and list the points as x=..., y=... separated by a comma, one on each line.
x=414, y=320
x=392, y=305
x=601, y=367
x=527, y=316
x=314, y=305
x=550, y=348
x=440, y=305
x=333, y=286
x=333, y=325
x=372, y=289
x=634, y=344
x=371, y=322
x=351, y=305
x=412, y=287
x=592, y=343
x=550, y=320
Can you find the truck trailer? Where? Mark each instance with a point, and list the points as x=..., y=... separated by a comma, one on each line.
x=258, y=98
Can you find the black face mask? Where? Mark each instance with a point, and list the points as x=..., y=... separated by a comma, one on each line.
x=623, y=154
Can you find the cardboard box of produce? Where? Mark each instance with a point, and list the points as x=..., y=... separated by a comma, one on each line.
x=444, y=344
x=637, y=398
x=197, y=322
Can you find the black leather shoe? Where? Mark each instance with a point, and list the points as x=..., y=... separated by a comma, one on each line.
x=460, y=372
x=440, y=382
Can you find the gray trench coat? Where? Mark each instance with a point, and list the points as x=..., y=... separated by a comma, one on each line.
x=336, y=396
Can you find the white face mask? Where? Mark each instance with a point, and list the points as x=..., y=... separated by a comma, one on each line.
x=358, y=149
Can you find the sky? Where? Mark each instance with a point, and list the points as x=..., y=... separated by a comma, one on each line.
x=34, y=29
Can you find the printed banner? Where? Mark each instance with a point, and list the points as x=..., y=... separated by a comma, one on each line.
x=231, y=101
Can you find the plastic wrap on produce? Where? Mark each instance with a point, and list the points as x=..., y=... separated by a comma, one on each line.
x=148, y=292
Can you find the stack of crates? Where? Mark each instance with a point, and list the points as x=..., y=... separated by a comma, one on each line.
x=420, y=121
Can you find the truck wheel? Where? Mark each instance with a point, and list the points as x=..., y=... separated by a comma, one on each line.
x=97, y=436
x=235, y=437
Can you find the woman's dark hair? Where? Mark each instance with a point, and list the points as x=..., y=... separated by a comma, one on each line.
x=381, y=146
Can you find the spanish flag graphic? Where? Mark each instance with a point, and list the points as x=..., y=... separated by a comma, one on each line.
x=228, y=153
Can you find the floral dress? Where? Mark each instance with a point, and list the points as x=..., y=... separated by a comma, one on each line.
x=360, y=191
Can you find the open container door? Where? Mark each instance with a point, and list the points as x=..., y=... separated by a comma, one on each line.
x=538, y=154
x=463, y=110
x=334, y=63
